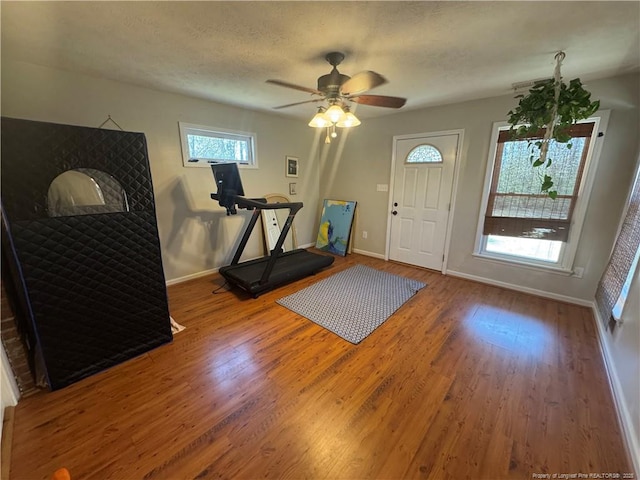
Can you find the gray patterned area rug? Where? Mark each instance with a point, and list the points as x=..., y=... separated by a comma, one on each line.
x=354, y=302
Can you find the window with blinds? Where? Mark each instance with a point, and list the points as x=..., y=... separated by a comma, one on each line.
x=517, y=207
x=614, y=285
x=521, y=222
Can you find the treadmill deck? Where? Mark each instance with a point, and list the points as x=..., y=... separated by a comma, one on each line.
x=289, y=266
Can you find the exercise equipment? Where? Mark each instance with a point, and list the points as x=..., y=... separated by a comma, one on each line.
x=81, y=241
x=276, y=269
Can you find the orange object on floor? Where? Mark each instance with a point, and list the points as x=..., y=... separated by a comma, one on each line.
x=61, y=474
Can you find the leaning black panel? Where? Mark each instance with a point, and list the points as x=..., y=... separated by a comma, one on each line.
x=93, y=287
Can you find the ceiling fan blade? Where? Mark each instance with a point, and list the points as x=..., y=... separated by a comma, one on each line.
x=361, y=82
x=379, y=101
x=295, y=87
x=299, y=103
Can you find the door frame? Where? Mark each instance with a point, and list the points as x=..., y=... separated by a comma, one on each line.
x=454, y=187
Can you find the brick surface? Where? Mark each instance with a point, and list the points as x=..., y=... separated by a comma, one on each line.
x=13, y=343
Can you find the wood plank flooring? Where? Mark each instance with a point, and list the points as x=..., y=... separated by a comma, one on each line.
x=464, y=381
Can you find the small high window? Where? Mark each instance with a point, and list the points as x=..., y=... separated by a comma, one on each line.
x=424, y=154
x=203, y=146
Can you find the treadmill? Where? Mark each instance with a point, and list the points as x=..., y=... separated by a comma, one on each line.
x=276, y=269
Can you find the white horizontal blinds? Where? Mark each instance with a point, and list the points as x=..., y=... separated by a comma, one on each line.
x=622, y=256
x=516, y=206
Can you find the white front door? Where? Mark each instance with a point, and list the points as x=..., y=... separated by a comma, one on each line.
x=423, y=175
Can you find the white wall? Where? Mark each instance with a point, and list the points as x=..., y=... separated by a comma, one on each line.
x=624, y=345
x=195, y=233
x=352, y=169
x=9, y=393
x=621, y=350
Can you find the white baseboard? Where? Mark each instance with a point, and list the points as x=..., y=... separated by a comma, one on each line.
x=204, y=273
x=192, y=276
x=624, y=417
x=518, y=288
x=354, y=250
x=368, y=254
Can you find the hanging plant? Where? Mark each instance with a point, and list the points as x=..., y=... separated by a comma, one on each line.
x=546, y=113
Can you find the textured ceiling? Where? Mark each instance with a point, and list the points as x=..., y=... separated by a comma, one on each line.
x=431, y=52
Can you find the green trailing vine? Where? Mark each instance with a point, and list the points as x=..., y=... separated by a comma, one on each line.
x=553, y=107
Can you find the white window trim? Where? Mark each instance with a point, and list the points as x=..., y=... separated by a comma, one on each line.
x=568, y=250
x=183, y=127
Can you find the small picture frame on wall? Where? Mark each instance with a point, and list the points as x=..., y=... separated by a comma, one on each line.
x=291, y=165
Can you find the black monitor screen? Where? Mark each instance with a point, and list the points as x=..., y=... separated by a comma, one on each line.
x=229, y=184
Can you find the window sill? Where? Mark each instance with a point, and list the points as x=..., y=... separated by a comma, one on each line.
x=524, y=264
x=206, y=164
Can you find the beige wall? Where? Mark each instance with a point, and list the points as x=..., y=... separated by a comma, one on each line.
x=352, y=169
x=623, y=346
x=195, y=234
x=622, y=353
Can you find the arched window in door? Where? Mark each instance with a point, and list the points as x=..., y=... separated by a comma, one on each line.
x=424, y=154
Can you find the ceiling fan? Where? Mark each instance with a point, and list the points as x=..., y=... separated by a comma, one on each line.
x=337, y=88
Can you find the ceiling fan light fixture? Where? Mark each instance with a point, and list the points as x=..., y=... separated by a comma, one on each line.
x=349, y=120
x=335, y=113
x=320, y=120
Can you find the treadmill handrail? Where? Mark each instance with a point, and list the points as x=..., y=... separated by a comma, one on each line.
x=261, y=203
x=277, y=250
x=257, y=205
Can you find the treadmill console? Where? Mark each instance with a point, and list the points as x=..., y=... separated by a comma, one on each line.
x=229, y=185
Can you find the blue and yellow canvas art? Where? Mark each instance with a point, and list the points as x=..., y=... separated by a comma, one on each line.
x=335, y=226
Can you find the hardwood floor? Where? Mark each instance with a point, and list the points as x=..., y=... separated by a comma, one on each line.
x=464, y=381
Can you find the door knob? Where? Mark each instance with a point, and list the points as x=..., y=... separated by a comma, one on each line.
x=395, y=212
